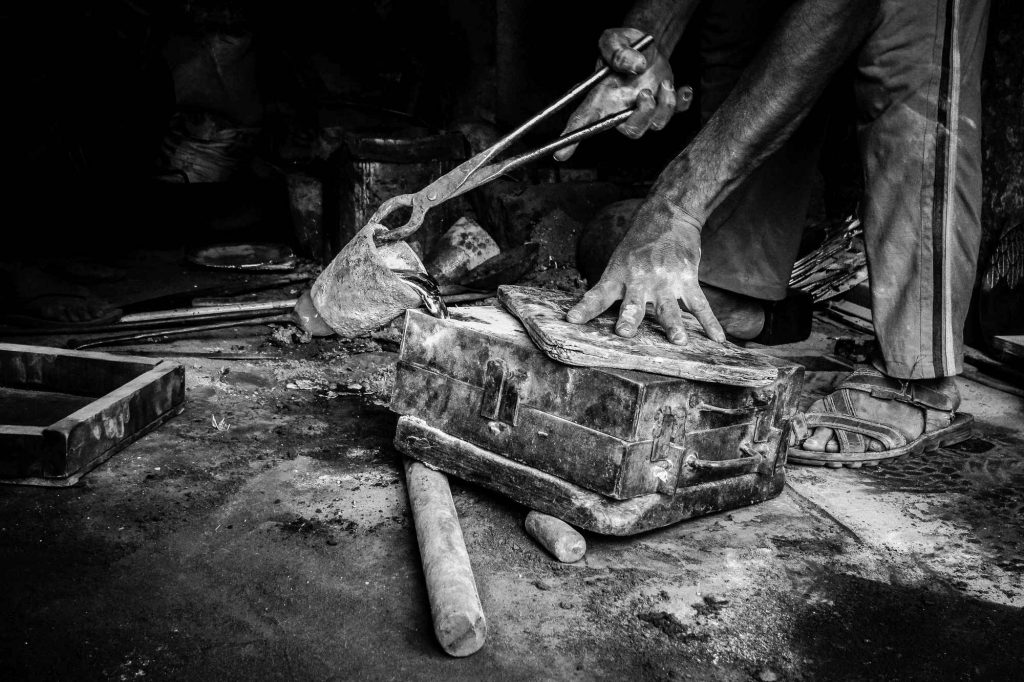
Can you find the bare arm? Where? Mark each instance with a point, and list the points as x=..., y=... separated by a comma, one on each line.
x=657, y=262
x=664, y=19
x=771, y=99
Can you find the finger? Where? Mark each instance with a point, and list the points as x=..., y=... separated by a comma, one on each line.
x=684, y=98
x=585, y=114
x=638, y=123
x=631, y=314
x=698, y=305
x=593, y=303
x=665, y=106
x=616, y=51
x=671, y=319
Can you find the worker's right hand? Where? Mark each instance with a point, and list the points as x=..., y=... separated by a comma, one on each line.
x=656, y=262
x=639, y=79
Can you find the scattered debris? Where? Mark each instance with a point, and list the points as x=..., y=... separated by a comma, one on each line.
x=288, y=335
x=557, y=234
x=668, y=624
x=710, y=605
x=855, y=350
x=835, y=267
x=221, y=425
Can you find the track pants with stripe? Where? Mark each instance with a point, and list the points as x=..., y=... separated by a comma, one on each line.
x=918, y=92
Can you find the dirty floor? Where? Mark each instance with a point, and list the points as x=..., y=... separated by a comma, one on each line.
x=265, y=534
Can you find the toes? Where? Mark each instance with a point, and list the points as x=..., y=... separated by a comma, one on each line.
x=818, y=440
x=874, y=445
x=832, y=446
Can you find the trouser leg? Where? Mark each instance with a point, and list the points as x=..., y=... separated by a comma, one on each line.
x=918, y=94
x=749, y=243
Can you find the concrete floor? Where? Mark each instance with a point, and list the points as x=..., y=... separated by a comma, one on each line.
x=282, y=548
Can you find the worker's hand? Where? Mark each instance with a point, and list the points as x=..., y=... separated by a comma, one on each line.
x=655, y=263
x=641, y=80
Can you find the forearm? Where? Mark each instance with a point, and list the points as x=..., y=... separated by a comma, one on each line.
x=773, y=96
x=664, y=19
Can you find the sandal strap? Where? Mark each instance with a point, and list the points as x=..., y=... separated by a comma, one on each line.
x=839, y=403
x=873, y=382
x=840, y=423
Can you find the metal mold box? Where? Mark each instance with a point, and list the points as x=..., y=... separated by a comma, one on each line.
x=478, y=400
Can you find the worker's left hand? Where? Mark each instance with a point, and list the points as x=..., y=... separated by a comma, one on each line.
x=643, y=81
x=655, y=263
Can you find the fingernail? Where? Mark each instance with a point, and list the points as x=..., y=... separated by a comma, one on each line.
x=686, y=94
x=574, y=317
x=678, y=337
x=641, y=65
x=666, y=84
x=624, y=329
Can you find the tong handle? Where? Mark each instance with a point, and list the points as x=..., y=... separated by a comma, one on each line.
x=432, y=194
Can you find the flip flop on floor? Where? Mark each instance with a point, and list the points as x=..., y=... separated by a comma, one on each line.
x=34, y=299
x=943, y=426
x=59, y=311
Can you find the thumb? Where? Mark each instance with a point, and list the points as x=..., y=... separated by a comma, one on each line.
x=615, y=45
x=684, y=98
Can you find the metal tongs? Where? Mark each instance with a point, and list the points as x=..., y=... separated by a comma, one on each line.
x=478, y=170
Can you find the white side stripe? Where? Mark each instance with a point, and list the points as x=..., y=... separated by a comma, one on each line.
x=950, y=214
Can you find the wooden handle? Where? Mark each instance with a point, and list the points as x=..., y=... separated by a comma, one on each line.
x=459, y=621
x=556, y=536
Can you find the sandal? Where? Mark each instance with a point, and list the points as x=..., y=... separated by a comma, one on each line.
x=943, y=426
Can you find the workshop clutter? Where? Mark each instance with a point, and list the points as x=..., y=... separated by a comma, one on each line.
x=371, y=167
x=463, y=247
x=204, y=147
x=212, y=134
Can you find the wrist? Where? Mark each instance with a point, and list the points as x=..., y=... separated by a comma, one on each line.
x=664, y=19
x=681, y=213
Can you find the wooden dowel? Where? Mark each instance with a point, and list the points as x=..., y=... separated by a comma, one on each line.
x=459, y=621
x=556, y=536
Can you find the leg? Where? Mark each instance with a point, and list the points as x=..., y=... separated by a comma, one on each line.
x=921, y=145
x=920, y=142
x=750, y=242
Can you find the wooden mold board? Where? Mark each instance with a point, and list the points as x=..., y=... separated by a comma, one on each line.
x=595, y=344
x=72, y=410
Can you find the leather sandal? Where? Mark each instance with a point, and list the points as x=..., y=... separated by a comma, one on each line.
x=943, y=425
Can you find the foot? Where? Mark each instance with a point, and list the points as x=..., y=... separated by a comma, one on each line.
x=911, y=420
x=742, y=317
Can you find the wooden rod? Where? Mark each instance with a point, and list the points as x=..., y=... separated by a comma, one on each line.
x=459, y=621
x=556, y=536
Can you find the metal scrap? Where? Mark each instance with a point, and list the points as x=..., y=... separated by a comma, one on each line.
x=835, y=267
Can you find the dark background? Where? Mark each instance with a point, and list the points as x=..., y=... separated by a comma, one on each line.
x=90, y=91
